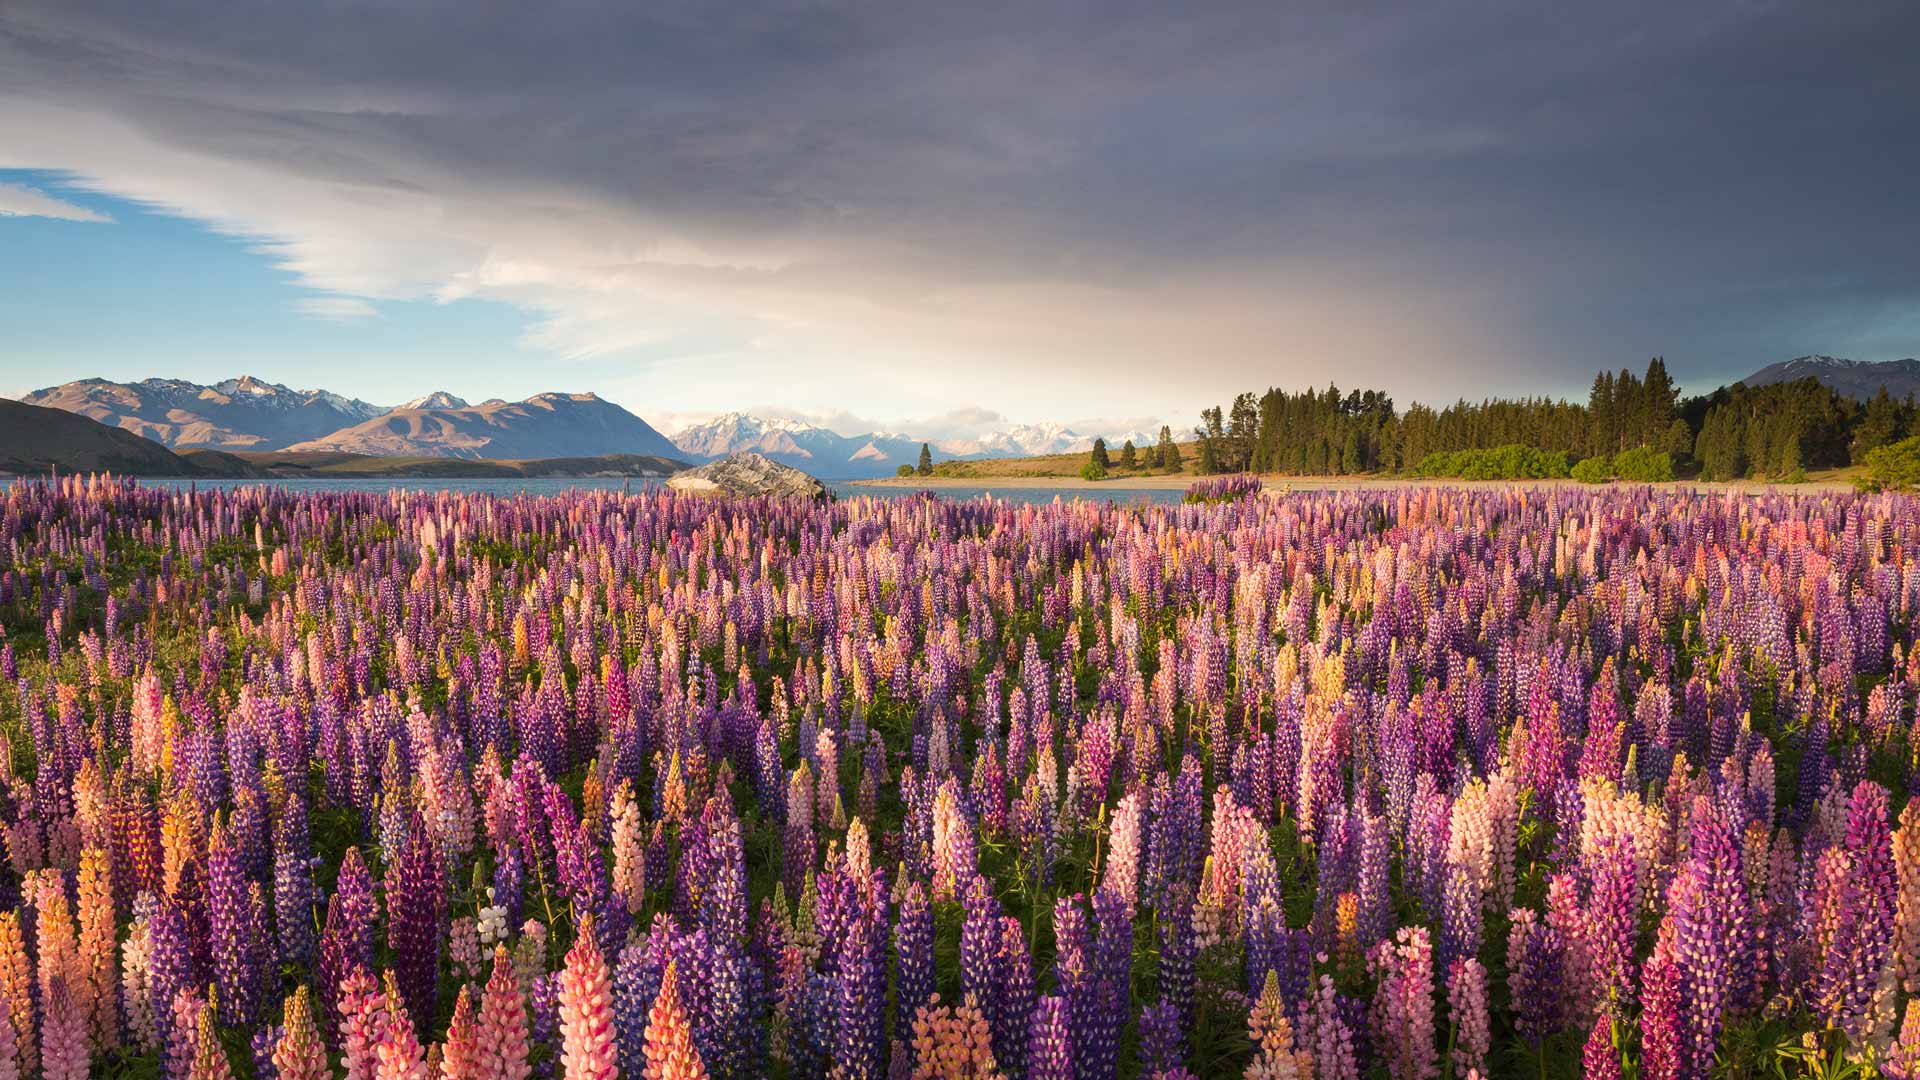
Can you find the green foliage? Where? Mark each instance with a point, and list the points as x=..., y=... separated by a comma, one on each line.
x=1099, y=456
x=1510, y=462
x=926, y=460
x=1643, y=465
x=1771, y=430
x=1209, y=457
x=1093, y=470
x=1593, y=470
x=1128, y=456
x=1166, y=453
x=1893, y=468
x=904, y=470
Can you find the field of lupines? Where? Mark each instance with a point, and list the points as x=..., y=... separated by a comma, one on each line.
x=1415, y=784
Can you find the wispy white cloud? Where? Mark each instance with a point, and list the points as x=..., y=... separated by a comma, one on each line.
x=337, y=308
x=19, y=200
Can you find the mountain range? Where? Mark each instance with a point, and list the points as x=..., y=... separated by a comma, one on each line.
x=250, y=414
x=1860, y=379
x=542, y=426
x=253, y=415
x=828, y=453
x=238, y=414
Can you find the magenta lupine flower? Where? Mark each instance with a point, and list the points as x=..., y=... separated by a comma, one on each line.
x=1403, y=1004
x=1613, y=921
x=1859, y=945
x=1598, y=1057
x=346, y=942
x=1663, y=1049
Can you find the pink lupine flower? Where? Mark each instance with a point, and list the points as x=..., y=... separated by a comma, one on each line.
x=299, y=1053
x=670, y=1054
x=586, y=1010
x=502, y=1029
x=459, y=1055
x=64, y=1042
x=1403, y=1004
x=1467, y=1011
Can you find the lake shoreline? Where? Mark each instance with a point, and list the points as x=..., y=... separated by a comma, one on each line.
x=1281, y=485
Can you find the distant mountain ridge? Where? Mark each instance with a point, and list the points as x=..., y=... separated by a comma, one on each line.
x=548, y=425
x=236, y=414
x=249, y=414
x=828, y=453
x=1860, y=379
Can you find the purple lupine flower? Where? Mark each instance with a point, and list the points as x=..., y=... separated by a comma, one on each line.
x=1613, y=920
x=859, y=999
x=1862, y=907
x=1050, y=1042
x=1536, y=961
x=1112, y=964
x=236, y=925
x=980, y=946
x=416, y=908
x=913, y=958
x=172, y=965
x=634, y=986
x=293, y=891
x=1012, y=1015
x=1163, y=1041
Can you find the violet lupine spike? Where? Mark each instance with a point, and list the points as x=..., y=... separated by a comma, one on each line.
x=1536, y=958
x=416, y=906
x=1050, y=1041
x=293, y=890
x=913, y=957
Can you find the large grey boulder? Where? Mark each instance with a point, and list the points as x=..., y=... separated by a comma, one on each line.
x=747, y=474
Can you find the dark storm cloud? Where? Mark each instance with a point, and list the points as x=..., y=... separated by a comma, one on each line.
x=1438, y=198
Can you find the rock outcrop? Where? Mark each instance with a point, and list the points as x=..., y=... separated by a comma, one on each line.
x=747, y=475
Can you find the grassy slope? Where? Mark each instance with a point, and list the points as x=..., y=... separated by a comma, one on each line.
x=34, y=439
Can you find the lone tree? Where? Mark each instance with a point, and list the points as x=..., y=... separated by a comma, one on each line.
x=926, y=460
x=1128, y=459
x=1167, y=455
x=1100, y=455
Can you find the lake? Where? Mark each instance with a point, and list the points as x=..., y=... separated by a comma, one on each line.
x=555, y=485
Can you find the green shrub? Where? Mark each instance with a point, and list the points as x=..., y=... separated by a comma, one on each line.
x=1510, y=462
x=1643, y=465
x=1892, y=468
x=1093, y=470
x=1593, y=470
x=904, y=470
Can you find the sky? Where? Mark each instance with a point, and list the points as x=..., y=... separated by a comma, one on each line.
x=946, y=217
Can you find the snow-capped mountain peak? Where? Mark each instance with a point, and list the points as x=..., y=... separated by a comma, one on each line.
x=439, y=399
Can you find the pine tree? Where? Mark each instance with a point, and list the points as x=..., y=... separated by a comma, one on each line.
x=1128, y=457
x=1167, y=453
x=926, y=460
x=1100, y=454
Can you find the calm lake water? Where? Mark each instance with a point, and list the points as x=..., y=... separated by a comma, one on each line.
x=555, y=485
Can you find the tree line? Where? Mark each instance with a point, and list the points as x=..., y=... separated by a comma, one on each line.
x=1772, y=432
